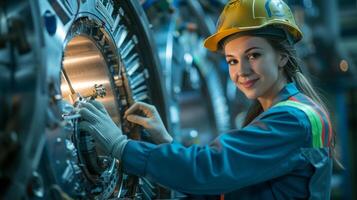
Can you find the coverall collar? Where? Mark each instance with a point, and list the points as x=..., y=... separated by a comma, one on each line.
x=288, y=90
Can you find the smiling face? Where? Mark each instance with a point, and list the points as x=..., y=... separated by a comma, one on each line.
x=254, y=67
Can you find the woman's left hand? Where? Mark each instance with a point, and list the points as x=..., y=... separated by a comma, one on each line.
x=147, y=116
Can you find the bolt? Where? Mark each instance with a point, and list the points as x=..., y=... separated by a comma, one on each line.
x=57, y=97
x=177, y=89
x=50, y=22
x=35, y=185
x=118, y=82
x=13, y=137
x=124, y=102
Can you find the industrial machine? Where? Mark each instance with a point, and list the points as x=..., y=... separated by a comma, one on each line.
x=55, y=54
x=198, y=106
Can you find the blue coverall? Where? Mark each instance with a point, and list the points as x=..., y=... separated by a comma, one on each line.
x=271, y=158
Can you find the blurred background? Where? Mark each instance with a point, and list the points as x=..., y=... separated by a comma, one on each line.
x=152, y=51
x=328, y=55
x=328, y=51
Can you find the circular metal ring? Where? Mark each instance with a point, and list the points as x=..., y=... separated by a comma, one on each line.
x=22, y=98
x=102, y=49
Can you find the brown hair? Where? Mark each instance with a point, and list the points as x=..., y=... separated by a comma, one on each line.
x=294, y=74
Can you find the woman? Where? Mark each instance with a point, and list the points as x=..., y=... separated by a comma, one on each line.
x=283, y=150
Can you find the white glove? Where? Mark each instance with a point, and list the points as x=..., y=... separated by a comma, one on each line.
x=147, y=116
x=96, y=120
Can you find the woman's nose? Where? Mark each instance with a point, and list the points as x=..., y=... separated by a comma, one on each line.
x=243, y=68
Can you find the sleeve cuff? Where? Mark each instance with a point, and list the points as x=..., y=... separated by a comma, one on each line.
x=135, y=157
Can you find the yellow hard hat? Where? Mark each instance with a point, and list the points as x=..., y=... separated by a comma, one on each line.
x=249, y=15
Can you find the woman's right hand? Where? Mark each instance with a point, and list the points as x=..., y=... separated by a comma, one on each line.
x=147, y=116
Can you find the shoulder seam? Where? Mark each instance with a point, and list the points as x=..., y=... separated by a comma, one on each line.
x=297, y=114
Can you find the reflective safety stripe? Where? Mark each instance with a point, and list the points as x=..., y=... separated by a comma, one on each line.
x=316, y=124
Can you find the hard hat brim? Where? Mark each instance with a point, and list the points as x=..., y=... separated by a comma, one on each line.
x=212, y=41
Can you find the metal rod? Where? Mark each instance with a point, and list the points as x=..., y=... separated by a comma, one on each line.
x=65, y=76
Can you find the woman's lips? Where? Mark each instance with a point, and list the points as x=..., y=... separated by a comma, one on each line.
x=249, y=84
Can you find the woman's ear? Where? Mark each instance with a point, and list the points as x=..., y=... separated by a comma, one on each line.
x=283, y=60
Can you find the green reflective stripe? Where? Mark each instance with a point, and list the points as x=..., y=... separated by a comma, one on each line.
x=314, y=119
